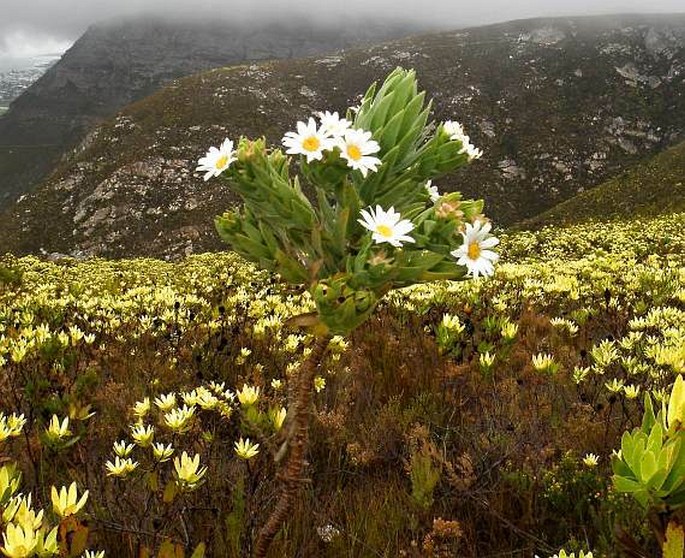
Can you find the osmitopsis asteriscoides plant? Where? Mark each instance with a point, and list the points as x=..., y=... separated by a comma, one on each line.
x=362, y=216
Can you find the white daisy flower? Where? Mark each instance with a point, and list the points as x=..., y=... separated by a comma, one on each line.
x=433, y=191
x=356, y=146
x=309, y=141
x=216, y=160
x=386, y=226
x=332, y=125
x=475, y=251
x=453, y=129
x=472, y=152
x=456, y=133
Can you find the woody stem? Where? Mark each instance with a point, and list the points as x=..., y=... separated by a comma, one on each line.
x=297, y=440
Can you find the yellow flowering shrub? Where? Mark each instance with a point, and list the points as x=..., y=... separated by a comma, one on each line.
x=111, y=345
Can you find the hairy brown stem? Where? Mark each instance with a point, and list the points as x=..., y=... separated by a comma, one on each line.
x=297, y=438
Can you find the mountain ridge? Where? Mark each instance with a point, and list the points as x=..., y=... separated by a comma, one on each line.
x=558, y=104
x=116, y=63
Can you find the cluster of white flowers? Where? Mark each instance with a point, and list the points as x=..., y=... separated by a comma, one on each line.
x=475, y=252
x=432, y=191
x=457, y=133
x=312, y=140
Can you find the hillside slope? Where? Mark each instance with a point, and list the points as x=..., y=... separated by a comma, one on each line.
x=116, y=63
x=558, y=105
x=653, y=187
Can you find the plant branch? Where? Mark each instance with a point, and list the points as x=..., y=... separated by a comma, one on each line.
x=297, y=440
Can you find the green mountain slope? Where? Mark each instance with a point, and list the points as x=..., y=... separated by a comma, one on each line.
x=654, y=187
x=558, y=105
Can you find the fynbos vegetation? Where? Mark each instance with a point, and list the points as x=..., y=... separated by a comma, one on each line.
x=363, y=376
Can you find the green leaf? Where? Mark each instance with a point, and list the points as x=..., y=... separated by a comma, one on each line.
x=170, y=492
x=676, y=404
x=676, y=477
x=252, y=249
x=388, y=135
x=404, y=90
x=269, y=238
x=632, y=448
x=291, y=269
x=252, y=231
x=648, y=467
x=655, y=440
x=656, y=481
x=413, y=124
x=664, y=464
x=199, y=551
x=620, y=468
x=648, y=419
x=380, y=111
x=623, y=484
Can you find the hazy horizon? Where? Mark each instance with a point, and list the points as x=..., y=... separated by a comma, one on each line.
x=40, y=27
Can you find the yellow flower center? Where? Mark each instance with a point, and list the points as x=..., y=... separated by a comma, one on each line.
x=474, y=251
x=384, y=230
x=354, y=152
x=221, y=162
x=311, y=143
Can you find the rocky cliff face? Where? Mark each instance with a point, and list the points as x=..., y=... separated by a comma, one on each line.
x=557, y=105
x=114, y=64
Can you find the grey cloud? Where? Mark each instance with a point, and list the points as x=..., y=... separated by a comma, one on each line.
x=23, y=21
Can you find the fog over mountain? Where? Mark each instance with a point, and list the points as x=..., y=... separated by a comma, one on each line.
x=40, y=25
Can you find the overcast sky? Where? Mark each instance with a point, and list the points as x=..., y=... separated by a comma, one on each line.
x=28, y=27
